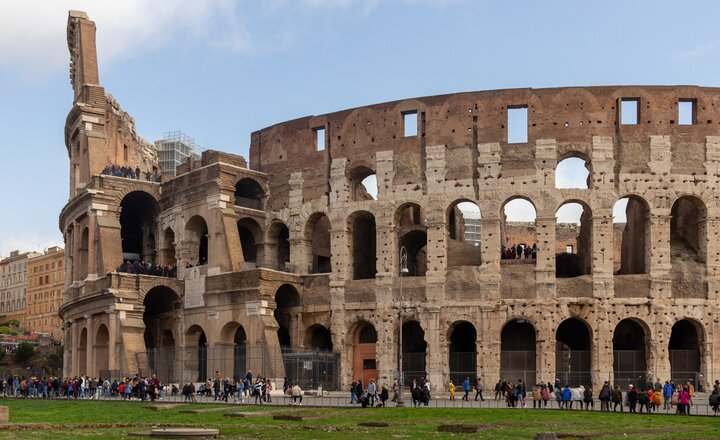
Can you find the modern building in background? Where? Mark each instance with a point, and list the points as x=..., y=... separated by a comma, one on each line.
x=13, y=275
x=472, y=227
x=45, y=281
x=174, y=149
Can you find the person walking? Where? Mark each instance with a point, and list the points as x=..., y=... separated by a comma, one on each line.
x=667, y=395
x=605, y=396
x=466, y=388
x=617, y=399
x=479, y=389
x=451, y=390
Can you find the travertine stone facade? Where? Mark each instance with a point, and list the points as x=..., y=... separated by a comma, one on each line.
x=291, y=251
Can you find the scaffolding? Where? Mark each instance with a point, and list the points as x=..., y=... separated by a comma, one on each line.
x=174, y=149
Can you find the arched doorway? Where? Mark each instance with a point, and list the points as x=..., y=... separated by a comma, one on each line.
x=518, y=230
x=160, y=302
x=573, y=345
x=517, y=351
x=412, y=235
x=197, y=237
x=169, y=247
x=318, y=232
x=239, y=353
x=319, y=338
x=279, y=246
x=363, y=232
x=631, y=215
x=573, y=238
x=83, y=254
x=687, y=228
x=196, y=361
x=685, y=350
x=414, y=348
x=287, y=300
x=365, y=365
x=463, y=234
x=138, y=211
x=101, y=353
x=250, y=233
x=463, y=352
x=82, y=352
x=629, y=353
x=249, y=194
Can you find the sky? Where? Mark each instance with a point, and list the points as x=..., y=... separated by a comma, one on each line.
x=220, y=69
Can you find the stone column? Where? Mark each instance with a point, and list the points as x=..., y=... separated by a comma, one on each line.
x=433, y=360
x=112, y=340
x=545, y=351
x=67, y=350
x=90, y=352
x=545, y=264
x=75, y=354
x=660, y=283
x=602, y=254
x=92, y=246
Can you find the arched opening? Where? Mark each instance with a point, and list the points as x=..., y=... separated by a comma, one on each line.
x=573, y=345
x=279, y=246
x=249, y=194
x=82, y=352
x=687, y=230
x=83, y=254
x=517, y=351
x=363, y=184
x=196, y=360
x=239, y=353
x=365, y=366
x=319, y=338
x=158, y=317
x=573, y=240
x=463, y=229
x=169, y=247
x=364, y=234
x=463, y=352
x=412, y=234
x=685, y=345
x=518, y=231
x=102, y=343
x=197, y=238
x=573, y=172
x=631, y=229
x=318, y=231
x=413, y=349
x=248, y=230
x=287, y=300
x=629, y=353
x=138, y=211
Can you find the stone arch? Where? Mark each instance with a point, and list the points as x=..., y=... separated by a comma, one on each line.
x=82, y=349
x=411, y=227
x=686, y=349
x=363, y=248
x=197, y=237
x=688, y=236
x=574, y=170
x=363, y=184
x=233, y=336
x=249, y=193
x=573, y=239
x=250, y=241
x=197, y=350
x=463, y=233
x=83, y=254
x=101, y=351
x=160, y=302
x=631, y=346
x=364, y=352
x=462, y=351
x=288, y=306
x=414, y=348
x=573, y=364
x=318, y=337
x=518, y=227
x=632, y=214
x=138, y=216
x=317, y=231
x=518, y=357
x=168, y=247
x=278, y=246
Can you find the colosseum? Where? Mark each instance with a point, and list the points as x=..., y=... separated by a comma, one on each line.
x=294, y=264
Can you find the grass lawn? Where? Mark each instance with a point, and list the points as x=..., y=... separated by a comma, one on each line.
x=52, y=419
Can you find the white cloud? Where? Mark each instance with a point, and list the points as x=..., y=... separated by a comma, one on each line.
x=29, y=241
x=36, y=41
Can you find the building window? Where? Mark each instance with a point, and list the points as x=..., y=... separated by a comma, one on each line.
x=687, y=112
x=569, y=249
x=517, y=126
x=629, y=111
x=319, y=135
x=410, y=123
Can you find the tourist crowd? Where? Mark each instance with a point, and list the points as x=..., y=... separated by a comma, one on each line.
x=129, y=173
x=143, y=268
x=519, y=252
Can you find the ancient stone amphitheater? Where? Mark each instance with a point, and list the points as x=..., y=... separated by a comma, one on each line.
x=298, y=265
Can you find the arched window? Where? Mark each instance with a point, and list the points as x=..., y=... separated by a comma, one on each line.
x=631, y=222
x=412, y=235
x=463, y=229
x=572, y=172
x=573, y=240
x=197, y=236
x=363, y=246
x=249, y=194
x=318, y=231
x=518, y=230
x=138, y=212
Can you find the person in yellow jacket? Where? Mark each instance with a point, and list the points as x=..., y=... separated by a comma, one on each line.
x=451, y=388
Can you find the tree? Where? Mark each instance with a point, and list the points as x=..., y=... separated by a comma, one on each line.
x=24, y=352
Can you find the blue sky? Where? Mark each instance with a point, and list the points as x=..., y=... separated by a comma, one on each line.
x=220, y=69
